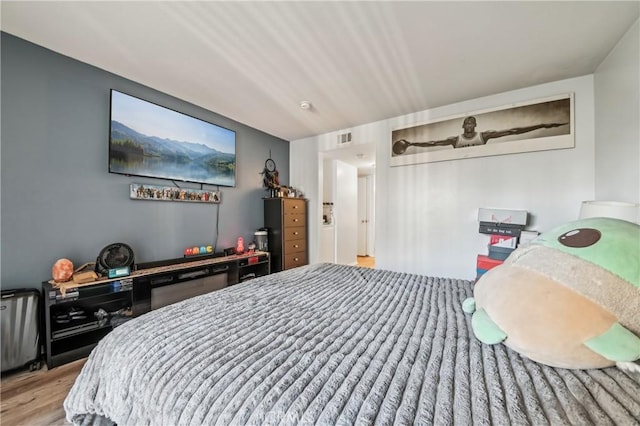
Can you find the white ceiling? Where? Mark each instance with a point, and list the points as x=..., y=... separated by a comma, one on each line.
x=356, y=62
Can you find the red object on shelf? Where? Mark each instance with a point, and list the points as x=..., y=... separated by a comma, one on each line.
x=486, y=263
x=240, y=246
x=252, y=260
x=503, y=240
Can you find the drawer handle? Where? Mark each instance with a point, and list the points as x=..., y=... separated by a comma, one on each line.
x=295, y=207
x=295, y=220
x=295, y=233
x=295, y=246
x=295, y=259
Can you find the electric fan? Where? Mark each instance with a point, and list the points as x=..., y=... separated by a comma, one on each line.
x=115, y=260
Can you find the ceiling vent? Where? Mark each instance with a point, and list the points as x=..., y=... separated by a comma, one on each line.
x=344, y=138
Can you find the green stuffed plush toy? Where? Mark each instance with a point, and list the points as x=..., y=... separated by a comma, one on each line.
x=570, y=298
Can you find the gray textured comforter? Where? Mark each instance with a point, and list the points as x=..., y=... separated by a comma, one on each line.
x=332, y=344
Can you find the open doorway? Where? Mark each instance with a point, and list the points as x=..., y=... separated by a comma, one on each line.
x=366, y=211
x=348, y=182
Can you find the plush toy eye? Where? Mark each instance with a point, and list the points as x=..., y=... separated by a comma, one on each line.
x=582, y=237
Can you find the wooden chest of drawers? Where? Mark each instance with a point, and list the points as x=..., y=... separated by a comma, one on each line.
x=286, y=220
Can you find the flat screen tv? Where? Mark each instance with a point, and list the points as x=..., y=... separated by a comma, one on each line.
x=153, y=141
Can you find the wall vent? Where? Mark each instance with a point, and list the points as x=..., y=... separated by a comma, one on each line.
x=344, y=138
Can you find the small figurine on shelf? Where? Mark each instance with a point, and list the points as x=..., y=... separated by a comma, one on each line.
x=240, y=246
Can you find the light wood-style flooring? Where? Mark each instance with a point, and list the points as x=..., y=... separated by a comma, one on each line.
x=367, y=261
x=35, y=398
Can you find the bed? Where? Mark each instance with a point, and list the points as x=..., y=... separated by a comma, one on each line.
x=332, y=344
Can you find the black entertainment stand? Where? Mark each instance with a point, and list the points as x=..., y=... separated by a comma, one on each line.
x=77, y=316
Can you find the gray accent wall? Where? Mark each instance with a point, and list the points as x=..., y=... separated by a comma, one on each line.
x=58, y=198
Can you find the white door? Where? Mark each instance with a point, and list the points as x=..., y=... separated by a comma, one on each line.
x=363, y=216
x=346, y=213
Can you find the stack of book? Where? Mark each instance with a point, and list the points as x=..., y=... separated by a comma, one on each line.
x=527, y=236
x=504, y=228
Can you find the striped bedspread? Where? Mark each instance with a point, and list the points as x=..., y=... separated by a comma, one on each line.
x=332, y=344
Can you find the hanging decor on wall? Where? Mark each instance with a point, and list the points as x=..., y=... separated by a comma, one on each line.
x=270, y=180
x=139, y=191
x=536, y=125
